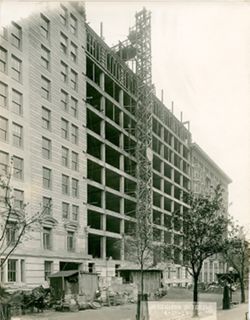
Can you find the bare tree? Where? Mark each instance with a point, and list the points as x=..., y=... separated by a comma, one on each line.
x=204, y=232
x=236, y=253
x=15, y=221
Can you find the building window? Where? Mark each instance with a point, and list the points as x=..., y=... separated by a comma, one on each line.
x=17, y=102
x=16, y=68
x=47, y=269
x=178, y=273
x=74, y=107
x=74, y=134
x=3, y=32
x=47, y=243
x=12, y=270
x=73, y=52
x=73, y=79
x=45, y=88
x=65, y=184
x=64, y=72
x=75, y=188
x=4, y=162
x=47, y=178
x=74, y=161
x=3, y=129
x=70, y=241
x=64, y=100
x=3, y=60
x=18, y=167
x=65, y=157
x=3, y=94
x=16, y=35
x=11, y=233
x=65, y=210
x=46, y=118
x=73, y=24
x=47, y=206
x=18, y=199
x=63, y=15
x=75, y=212
x=17, y=134
x=44, y=27
x=63, y=43
x=45, y=57
x=46, y=148
x=91, y=267
x=65, y=129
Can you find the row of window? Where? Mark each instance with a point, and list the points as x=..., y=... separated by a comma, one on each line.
x=65, y=132
x=15, y=65
x=67, y=46
x=65, y=154
x=16, y=99
x=17, y=198
x=16, y=132
x=47, y=183
x=46, y=84
x=68, y=19
x=17, y=164
x=48, y=243
x=68, y=212
x=13, y=271
x=15, y=34
x=73, y=107
x=45, y=53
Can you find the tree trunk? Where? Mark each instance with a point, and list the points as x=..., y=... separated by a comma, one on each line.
x=142, y=281
x=242, y=291
x=195, y=295
x=140, y=297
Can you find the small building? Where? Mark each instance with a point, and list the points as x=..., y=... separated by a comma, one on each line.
x=74, y=282
x=152, y=277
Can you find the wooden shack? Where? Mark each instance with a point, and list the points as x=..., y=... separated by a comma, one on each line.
x=152, y=277
x=74, y=282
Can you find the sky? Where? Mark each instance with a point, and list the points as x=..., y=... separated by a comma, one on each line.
x=200, y=58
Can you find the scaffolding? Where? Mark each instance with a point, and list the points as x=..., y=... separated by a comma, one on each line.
x=141, y=38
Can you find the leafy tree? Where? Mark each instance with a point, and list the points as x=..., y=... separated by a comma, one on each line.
x=236, y=253
x=204, y=231
x=15, y=221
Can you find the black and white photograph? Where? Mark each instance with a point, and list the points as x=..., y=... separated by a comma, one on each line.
x=125, y=160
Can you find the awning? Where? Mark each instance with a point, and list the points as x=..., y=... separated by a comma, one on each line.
x=63, y=274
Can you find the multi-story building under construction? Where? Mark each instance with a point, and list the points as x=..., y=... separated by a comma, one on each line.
x=82, y=129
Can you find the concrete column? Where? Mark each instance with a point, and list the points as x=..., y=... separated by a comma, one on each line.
x=121, y=162
x=162, y=168
x=103, y=222
x=162, y=202
x=121, y=97
x=162, y=185
x=103, y=156
x=102, y=81
x=122, y=230
x=103, y=247
x=103, y=176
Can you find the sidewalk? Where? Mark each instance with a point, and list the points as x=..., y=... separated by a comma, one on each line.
x=236, y=313
x=125, y=312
